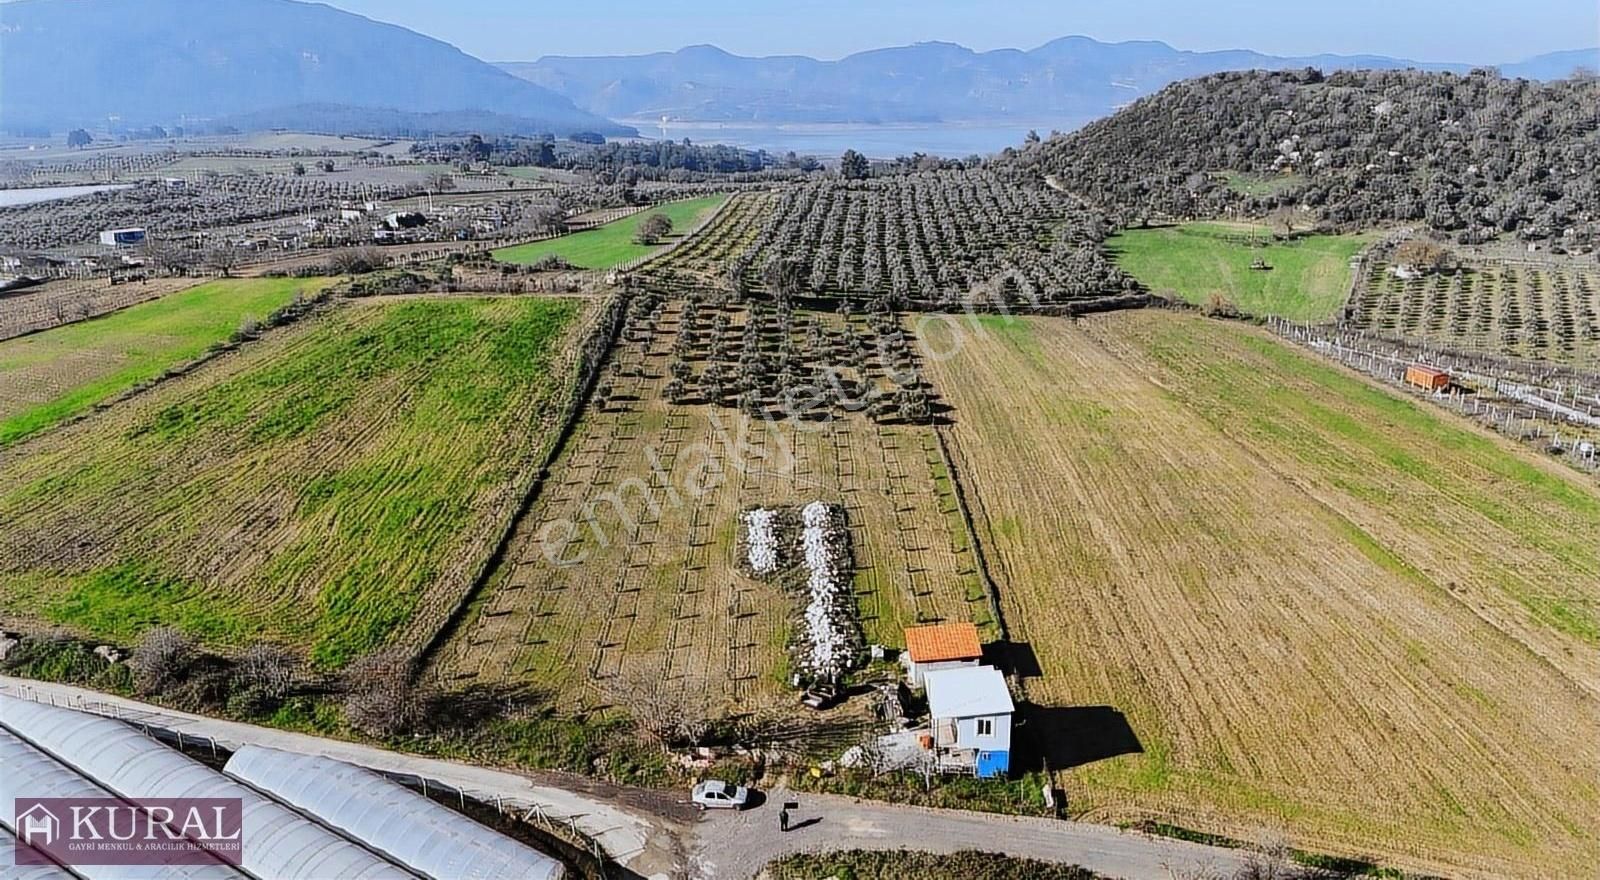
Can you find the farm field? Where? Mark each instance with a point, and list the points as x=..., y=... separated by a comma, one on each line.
x=63, y=301
x=1308, y=281
x=1529, y=312
x=647, y=497
x=705, y=257
x=1264, y=594
x=613, y=243
x=334, y=486
x=51, y=376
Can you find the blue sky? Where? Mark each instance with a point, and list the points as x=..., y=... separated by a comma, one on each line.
x=1476, y=31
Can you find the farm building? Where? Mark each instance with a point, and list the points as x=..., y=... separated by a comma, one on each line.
x=940, y=646
x=303, y=817
x=971, y=709
x=132, y=236
x=1427, y=377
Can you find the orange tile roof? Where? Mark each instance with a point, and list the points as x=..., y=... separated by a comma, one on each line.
x=943, y=641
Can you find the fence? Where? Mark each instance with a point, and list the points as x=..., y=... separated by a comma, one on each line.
x=1561, y=411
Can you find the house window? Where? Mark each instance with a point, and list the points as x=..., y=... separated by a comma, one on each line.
x=986, y=727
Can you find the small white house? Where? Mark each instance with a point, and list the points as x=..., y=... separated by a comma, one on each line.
x=130, y=237
x=971, y=709
x=940, y=646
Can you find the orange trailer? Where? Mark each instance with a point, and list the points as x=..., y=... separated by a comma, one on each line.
x=1427, y=378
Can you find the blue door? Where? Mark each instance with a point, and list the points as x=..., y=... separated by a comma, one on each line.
x=991, y=764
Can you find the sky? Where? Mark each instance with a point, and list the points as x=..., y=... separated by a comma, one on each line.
x=1471, y=31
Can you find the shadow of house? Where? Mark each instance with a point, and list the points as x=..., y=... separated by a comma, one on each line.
x=1015, y=659
x=1062, y=737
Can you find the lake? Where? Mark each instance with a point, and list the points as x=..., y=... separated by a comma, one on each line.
x=34, y=195
x=953, y=140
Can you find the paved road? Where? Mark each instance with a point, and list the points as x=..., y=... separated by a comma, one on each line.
x=642, y=839
x=737, y=845
x=655, y=836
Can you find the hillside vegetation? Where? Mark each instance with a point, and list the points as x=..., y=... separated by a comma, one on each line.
x=334, y=486
x=1473, y=156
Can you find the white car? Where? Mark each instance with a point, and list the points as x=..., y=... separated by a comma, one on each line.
x=715, y=794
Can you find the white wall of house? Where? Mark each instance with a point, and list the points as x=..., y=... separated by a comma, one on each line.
x=915, y=670
x=996, y=739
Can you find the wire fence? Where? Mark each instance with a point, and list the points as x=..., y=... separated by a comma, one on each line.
x=1557, y=411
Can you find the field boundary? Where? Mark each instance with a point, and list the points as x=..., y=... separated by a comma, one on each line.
x=592, y=355
x=979, y=560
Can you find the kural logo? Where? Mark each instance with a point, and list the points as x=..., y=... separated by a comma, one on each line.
x=38, y=826
x=112, y=831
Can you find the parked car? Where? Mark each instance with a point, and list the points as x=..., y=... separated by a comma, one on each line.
x=714, y=794
x=822, y=696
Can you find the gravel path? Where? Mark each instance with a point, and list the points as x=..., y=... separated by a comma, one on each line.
x=734, y=846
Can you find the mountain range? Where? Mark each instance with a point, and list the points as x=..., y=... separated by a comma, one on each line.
x=172, y=61
x=1070, y=79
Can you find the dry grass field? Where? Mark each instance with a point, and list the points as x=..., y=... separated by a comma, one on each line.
x=647, y=495
x=335, y=485
x=1264, y=594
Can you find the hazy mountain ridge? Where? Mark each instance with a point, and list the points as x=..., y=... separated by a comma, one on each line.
x=163, y=61
x=1072, y=78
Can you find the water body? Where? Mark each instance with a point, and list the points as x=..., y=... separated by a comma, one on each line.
x=33, y=195
x=951, y=140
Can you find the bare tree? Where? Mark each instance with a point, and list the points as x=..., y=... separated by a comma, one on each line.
x=1271, y=858
x=1421, y=255
x=224, y=258
x=357, y=260
x=654, y=228
x=162, y=658
x=667, y=714
x=381, y=699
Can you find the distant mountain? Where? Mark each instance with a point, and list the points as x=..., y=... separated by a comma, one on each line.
x=1555, y=65
x=78, y=62
x=1072, y=79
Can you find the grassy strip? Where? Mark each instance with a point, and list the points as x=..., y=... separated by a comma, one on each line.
x=135, y=345
x=1336, y=865
x=1308, y=280
x=611, y=244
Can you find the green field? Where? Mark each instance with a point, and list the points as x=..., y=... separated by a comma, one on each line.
x=57, y=374
x=1308, y=281
x=334, y=486
x=613, y=243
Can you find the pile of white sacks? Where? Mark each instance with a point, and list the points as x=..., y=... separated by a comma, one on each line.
x=827, y=637
x=831, y=641
x=761, y=540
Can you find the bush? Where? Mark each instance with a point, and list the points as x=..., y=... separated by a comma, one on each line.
x=381, y=699
x=162, y=660
x=895, y=864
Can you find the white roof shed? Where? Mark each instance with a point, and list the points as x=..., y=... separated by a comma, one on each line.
x=27, y=872
x=408, y=827
x=968, y=692
x=278, y=842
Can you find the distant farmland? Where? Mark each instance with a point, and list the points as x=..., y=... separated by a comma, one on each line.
x=1298, y=600
x=613, y=243
x=335, y=485
x=1308, y=279
x=53, y=375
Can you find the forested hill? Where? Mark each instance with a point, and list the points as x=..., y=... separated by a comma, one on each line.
x=182, y=62
x=1472, y=155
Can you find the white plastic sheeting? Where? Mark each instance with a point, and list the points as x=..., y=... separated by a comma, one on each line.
x=26, y=772
x=279, y=843
x=829, y=636
x=408, y=827
x=9, y=871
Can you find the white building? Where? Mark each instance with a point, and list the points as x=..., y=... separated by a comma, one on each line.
x=940, y=646
x=130, y=237
x=971, y=708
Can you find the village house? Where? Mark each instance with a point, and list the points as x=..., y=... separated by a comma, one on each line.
x=940, y=646
x=971, y=710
